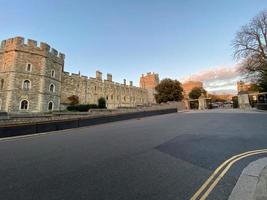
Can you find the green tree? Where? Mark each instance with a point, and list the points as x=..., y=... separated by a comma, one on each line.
x=196, y=92
x=102, y=102
x=250, y=47
x=169, y=90
x=235, y=101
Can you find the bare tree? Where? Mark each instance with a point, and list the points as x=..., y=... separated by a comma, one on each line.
x=250, y=46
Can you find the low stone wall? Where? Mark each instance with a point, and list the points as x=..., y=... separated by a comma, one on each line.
x=54, y=125
x=3, y=115
x=261, y=106
x=26, y=118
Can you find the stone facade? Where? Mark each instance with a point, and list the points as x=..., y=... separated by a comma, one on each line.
x=149, y=82
x=89, y=90
x=243, y=87
x=32, y=79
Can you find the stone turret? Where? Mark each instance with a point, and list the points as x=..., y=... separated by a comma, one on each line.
x=109, y=77
x=149, y=81
x=98, y=75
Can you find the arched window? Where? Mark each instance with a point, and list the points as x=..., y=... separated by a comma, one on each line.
x=2, y=84
x=26, y=85
x=52, y=88
x=50, y=106
x=53, y=73
x=24, y=105
x=28, y=67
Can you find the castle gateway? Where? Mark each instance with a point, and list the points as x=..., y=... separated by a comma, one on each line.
x=32, y=79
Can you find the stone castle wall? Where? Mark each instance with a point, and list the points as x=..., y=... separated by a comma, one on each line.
x=46, y=68
x=91, y=89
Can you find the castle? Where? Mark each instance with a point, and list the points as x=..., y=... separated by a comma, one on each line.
x=32, y=79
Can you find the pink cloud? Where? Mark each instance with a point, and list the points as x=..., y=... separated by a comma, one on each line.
x=217, y=79
x=219, y=73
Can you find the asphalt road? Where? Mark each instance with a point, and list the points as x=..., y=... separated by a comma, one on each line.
x=164, y=157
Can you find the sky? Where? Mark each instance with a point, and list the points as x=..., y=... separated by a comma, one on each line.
x=178, y=39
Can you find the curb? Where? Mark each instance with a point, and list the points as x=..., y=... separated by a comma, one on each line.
x=247, y=183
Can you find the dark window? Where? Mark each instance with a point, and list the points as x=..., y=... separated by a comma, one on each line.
x=52, y=88
x=53, y=73
x=2, y=84
x=26, y=85
x=50, y=106
x=29, y=67
x=24, y=105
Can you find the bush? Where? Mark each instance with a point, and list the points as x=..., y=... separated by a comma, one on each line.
x=102, y=103
x=92, y=106
x=72, y=108
x=81, y=107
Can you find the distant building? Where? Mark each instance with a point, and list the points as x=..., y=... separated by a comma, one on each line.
x=149, y=82
x=189, y=85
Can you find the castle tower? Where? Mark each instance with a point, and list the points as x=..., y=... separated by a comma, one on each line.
x=30, y=76
x=149, y=82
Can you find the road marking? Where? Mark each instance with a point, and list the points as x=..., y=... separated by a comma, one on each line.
x=226, y=165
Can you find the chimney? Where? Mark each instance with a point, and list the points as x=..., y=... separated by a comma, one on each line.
x=124, y=81
x=131, y=83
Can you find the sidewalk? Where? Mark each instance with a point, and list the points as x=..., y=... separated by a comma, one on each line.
x=261, y=189
x=252, y=183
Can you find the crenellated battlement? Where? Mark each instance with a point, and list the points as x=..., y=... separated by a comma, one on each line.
x=78, y=76
x=18, y=43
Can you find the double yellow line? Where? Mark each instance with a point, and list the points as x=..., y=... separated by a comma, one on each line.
x=204, y=191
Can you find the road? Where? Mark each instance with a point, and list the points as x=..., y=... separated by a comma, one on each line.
x=165, y=157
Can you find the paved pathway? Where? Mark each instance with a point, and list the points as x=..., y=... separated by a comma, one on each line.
x=163, y=157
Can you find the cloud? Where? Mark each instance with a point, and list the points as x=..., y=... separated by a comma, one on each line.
x=217, y=73
x=217, y=79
